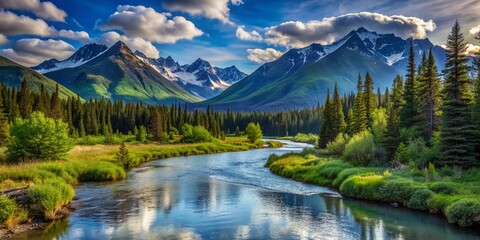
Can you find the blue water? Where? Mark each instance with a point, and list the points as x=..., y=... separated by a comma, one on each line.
x=232, y=196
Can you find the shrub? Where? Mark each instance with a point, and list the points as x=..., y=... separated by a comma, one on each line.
x=49, y=197
x=361, y=186
x=463, y=212
x=337, y=146
x=438, y=203
x=193, y=134
x=38, y=138
x=443, y=187
x=396, y=191
x=360, y=148
x=7, y=208
x=350, y=172
x=254, y=132
x=419, y=199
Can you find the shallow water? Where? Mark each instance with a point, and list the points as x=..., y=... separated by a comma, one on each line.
x=232, y=196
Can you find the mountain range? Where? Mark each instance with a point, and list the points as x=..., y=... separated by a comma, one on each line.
x=298, y=79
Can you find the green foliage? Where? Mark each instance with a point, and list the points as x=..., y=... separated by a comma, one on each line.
x=142, y=134
x=7, y=208
x=348, y=172
x=379, y=124
x=360, y=148
x=306, y=138
x=463, y=212
x=195, y=134
x=123, y=156
x=444, y=187
x=337, y=146
x=49, y=197
x=38, y=138
x=254, y=132
x=419, y=199
x=274, y=144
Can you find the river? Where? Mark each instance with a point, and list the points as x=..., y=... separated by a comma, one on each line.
x=232, y=196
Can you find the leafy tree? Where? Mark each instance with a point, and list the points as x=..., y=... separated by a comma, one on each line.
x=142, y=134
x=123, y=156
x=457, y=130
x=38, y=138
x=193, y=134
x=254, y=132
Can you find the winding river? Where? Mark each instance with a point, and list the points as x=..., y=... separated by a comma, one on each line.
x=232, y=196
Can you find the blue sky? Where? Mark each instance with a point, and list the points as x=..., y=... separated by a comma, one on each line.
x=244, y=33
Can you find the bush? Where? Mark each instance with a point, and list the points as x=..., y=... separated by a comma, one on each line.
x=343, y=175
x=360, y=148
x=195, y=134
x=49, y=197
x=337, y=146
x=7, y=208
x=463, y=212
x=443, y=187
x=254, y=132
x=419, y=199
x=38, y=138
x=361, y=186
x=379, y=124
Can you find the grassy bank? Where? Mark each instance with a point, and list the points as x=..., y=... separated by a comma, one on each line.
x=51, y=183
x=449, y=192
x=302, y=138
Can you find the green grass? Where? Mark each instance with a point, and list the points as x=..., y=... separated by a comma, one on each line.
x=303, y=138
x=458, y=200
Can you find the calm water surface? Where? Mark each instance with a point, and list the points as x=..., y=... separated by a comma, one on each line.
x=232, y=196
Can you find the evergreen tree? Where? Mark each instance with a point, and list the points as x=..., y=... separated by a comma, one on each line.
x=409, y=114
x=4, y=126
x=369, y=97
x=123, y=156
x=350, y=122
x=25, y=100
x=55, y=104
x=457, y=130
x=429, y=97
x=476, y=107
x=326, y=129
x=338, y=118
x=392, y=137
x=359, y=110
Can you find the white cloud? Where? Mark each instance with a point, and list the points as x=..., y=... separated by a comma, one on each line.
x=13, y=24
x=472, y=49
x=328, y=30
x=475, y=30
x=44, y=10
x=211, y=9
x=248, y=36
x=33, y=51
x=263, y=55
x=110, y=38
x=3, y=40
x=146, y=23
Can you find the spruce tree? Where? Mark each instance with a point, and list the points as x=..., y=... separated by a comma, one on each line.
x=359, y=110
x=429, y=97
x=55, y=104
x=457, y=129
x=409, y=114
x=25, y=99
x=326, y=128
x=350, y=130
x=476, y=107
x=369, y=97
x=338, y=118
x=4, y=126
x=392, y=137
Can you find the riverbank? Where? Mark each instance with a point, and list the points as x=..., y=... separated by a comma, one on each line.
x=452, y=193
x=49, y=185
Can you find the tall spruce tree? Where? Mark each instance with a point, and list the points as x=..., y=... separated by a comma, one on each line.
x=338, y=117
x=55, y=104
x=326, y=128
x=369, y=97
x=25, y=99
x=409, y=115
x=392, y=137
x=429, y=97
x=4, y=126
x=476, y=107
x=457, y=129
x=359, y=109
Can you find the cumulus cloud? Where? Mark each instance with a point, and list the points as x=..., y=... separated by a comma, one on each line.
x=211, y=9
x=146, y=23
x=472, y=49
x=263, y=55
x=13, y=24
x=328, y=30
x=248, y=36
x=44, y=10
x=3, y=39
x=110, y=38
x=475, y=30
x=33, y=51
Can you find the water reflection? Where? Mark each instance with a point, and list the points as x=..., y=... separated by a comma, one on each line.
x=231, y=196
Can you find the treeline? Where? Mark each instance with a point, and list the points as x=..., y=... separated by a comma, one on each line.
x=102, y=117
x=421, y=109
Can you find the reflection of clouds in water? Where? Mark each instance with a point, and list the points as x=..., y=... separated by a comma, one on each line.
x=243, y=232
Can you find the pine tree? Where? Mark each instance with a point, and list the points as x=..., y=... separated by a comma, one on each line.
x=156, y=125
x=359, y=110
x=123, y=156
x=338, y=118
x=476, y=106
x=369, y=97
x=25, y=100
x=55, y=104
x=409, y=114
x=326, y=128
x=350, y=122
x=4, y=126
x=457, y=130
x=429, y=97
x=393, y=129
